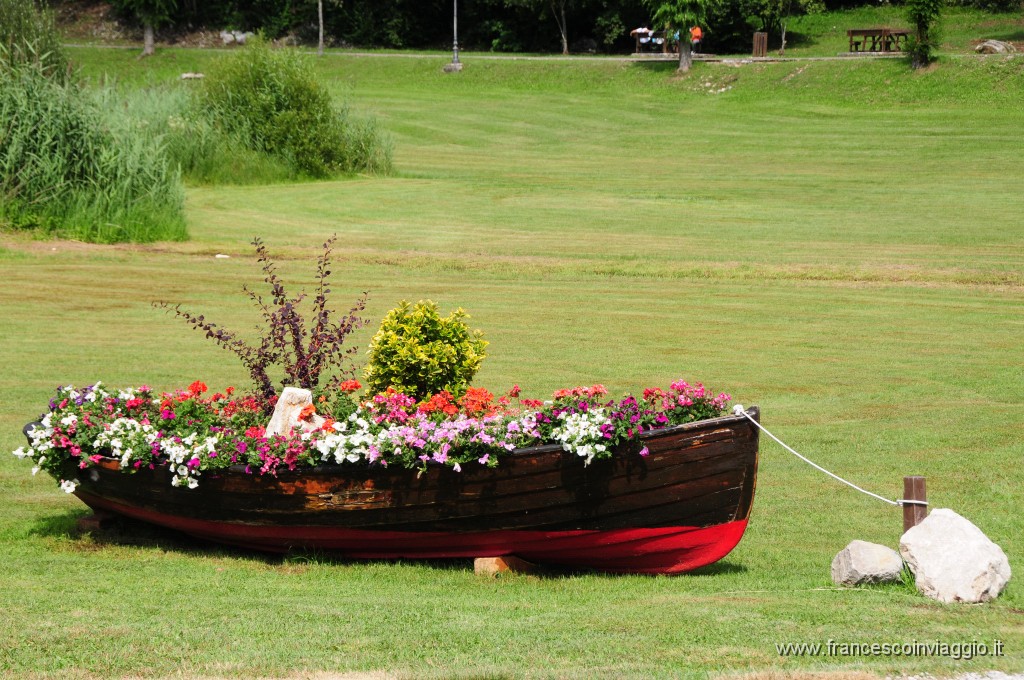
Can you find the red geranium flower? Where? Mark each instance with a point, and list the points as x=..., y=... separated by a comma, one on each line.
x=477, y=402
x=350, y=386
x=440, y=402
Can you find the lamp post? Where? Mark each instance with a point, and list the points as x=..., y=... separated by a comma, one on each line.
x=456, y=65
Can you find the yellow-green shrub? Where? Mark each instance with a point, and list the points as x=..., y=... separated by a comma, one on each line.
x=419, y=352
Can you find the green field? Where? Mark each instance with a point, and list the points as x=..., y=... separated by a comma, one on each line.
x=838, y=242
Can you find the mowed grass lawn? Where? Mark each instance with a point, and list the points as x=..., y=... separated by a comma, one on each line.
x=840, y=243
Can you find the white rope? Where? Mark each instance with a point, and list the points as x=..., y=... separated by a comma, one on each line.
x=740, y=411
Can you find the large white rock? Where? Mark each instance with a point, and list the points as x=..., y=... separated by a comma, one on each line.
x=862, y=562
x=288, y=411
x=953, y=561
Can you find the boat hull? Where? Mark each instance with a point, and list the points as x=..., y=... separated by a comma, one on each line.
x=683, y=505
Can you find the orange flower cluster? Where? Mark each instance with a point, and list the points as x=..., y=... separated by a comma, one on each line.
x=350, y=386
x=478, y=402
x=307, y=413
x=442, y=402
x=581, y=392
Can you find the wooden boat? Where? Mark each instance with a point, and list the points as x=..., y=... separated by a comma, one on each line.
x=682, y=506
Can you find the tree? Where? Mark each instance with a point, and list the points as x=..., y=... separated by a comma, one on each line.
x=320, y=25
x=558, y=12
x=320, y=22
x=151, y=13
x=924, y=16
x=679, y=16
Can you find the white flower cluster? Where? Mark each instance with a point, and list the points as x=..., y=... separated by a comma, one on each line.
x=126, y=394
x=41, y=435
x=90, y=395
x=185, y=457
x=351, y=441
x=580, y=433
x=126, y=438
x=41, y=444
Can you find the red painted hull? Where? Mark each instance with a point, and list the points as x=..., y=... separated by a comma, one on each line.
x=662, y=550
x=681, y=506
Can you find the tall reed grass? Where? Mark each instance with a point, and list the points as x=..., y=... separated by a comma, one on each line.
x=204, y=153
x=28, y=35
x=262, y=118
x=106, y=165
x=67, y=170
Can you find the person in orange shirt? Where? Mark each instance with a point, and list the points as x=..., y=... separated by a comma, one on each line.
x=696, y=35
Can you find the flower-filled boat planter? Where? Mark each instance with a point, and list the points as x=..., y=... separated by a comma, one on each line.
x=397, y=479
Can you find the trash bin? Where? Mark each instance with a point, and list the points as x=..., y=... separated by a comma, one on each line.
x=760, y=44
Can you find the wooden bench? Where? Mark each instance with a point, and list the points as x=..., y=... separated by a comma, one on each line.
x=877, y=39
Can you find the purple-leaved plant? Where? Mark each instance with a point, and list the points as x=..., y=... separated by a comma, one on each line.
x=304, y=351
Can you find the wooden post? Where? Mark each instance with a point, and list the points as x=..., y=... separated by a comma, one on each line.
x=94, y=523
x=492, y=566
x=760, y=44
x=913, y=490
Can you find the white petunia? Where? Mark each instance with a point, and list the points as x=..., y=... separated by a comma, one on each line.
x=68, y=486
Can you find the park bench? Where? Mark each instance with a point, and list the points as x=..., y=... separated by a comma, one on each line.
x=877, y=39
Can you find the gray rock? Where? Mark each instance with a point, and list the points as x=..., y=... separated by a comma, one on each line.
x=953, y=561
x=862, y=562
x=227, y=37
x=995, y=47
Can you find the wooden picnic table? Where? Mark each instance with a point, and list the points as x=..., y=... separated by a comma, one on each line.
x=877, y=39
x=650, y=41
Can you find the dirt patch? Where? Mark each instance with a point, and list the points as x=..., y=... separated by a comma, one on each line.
x=88, y=21
x=299, y=675
x=92, y=21
x=55, y=246
x=1001, y=23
